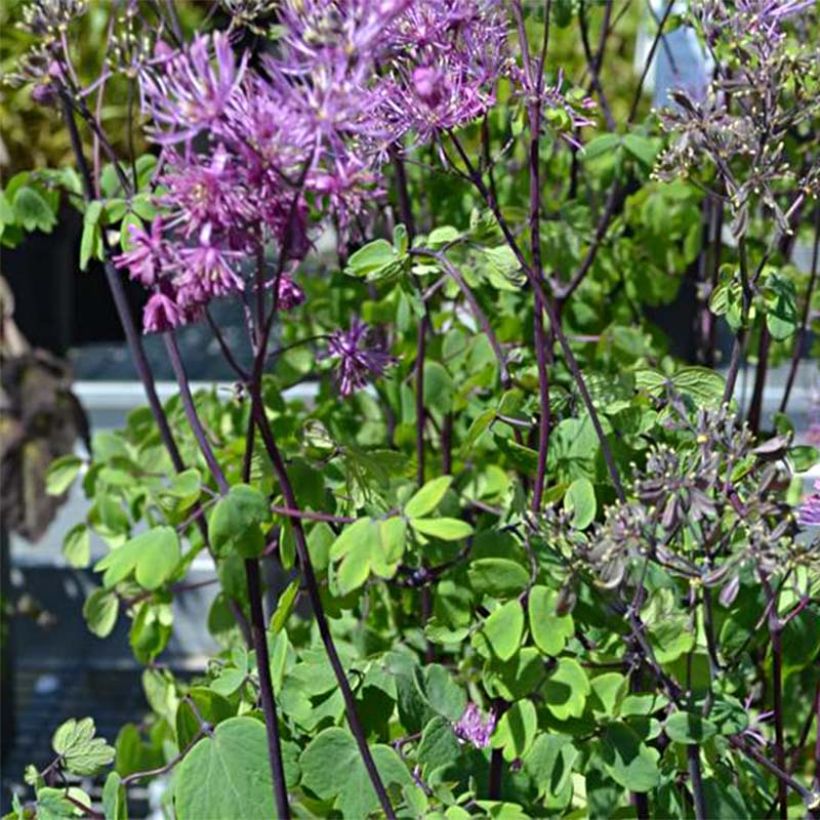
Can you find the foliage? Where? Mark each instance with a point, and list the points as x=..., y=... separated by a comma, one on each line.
x=550, y=569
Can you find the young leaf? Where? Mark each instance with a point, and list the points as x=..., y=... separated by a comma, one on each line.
x=77, y=546
x=100, y=612
x=580, y=498
x=61, y=473
x=502, y=631
x=426, y=499
x=549, y=630
x=447, y=529
x=689, y=728
x=499, y=577
x=82, y=753
x=235, y=523
x=516, y=730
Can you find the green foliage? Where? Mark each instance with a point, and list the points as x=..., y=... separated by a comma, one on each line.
x=605, y=643
x=79, y=750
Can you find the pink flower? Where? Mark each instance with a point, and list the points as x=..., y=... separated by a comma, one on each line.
x=473, y=728
x=290, y=294
x=143, y=260
x=808, y=513
x=161, y=313
x=357, y=359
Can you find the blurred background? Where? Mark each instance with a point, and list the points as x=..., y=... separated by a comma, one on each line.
x=67, y=376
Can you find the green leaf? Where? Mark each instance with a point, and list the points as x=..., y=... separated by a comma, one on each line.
x=151, y=555
x=516, y=730
x=32, y=211
x=782, y=317
x=438, y=387
x=228, y=682
x=705, y=386
x=426, y=499
x=501, y=633
x=443, y=694
x=442, y=236
x=549, y=763
x=82, y=753
x=438, y=746
x=333, y=752
x=91, y=241
x=226, y=774
x=114, y=802
x=376, y=261
x=600, y=146
x=355, y=567
x=499, y=577
x=235, y=523
x=284, y=607
x=77, y=546
x=567, y=689
x=688, y=728
x=61, y=473
x=100, y=612
x=642, y=148
x=631, y=763
x=580, y=499
x=549, y=630
x=447, y=529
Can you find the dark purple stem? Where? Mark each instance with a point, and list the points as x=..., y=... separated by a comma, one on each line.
x=260, y=644
x=312, y=585
x=258, y=635
x=802, y=333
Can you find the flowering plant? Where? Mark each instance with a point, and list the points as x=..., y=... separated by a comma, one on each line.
x=531, y=563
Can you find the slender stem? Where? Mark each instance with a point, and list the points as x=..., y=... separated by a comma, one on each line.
x=740, y=338
x=312, y=585
x=496, y=771
x=782, y=776
x=542, y=345
x=693, y=761
x=802, y=333
x=135, y=776
x=260, y=644
x=309, y=515
x=191, y=414
x=777, y=695
x=421, y=352
x=756, y=404
x=258, y=635
x=593, y=64
x=555, y=322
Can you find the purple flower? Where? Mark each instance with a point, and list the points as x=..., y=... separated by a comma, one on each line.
x=143, y=260
x=290, y=294
x=473, y=728
x=357, y=359
x=206, y=273
x=191, y=90
x=209, y=192
x=444, y=59
x=161, y=313
x=809, y=511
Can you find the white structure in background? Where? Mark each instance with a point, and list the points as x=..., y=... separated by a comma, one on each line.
x=680, y=61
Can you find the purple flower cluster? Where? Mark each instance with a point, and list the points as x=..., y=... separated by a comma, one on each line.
x=808, y=513
x=473, y=728
x=358, y=358
x=445, y=59
x=249, y=154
